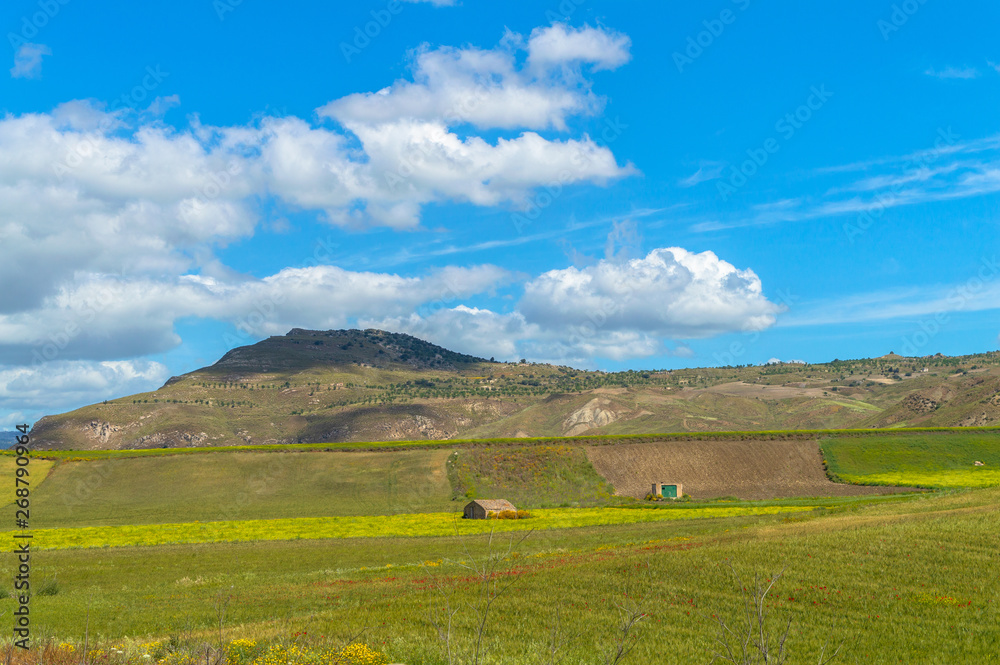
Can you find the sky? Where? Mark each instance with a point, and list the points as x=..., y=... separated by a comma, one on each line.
x=605, y=185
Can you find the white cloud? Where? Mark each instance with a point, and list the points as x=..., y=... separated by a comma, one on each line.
x=161, y=105
x=559, y=44
x=77, y=196
x=28, y=392
x=28, y=61
x=410, y=163
x=670, y=293
x=964, y=73
x=486, y=87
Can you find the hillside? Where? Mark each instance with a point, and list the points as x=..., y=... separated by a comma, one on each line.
x=352, y=385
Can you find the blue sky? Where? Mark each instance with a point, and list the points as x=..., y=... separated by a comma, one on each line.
x=604, y=185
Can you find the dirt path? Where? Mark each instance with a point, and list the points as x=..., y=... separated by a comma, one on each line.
x=707, y=469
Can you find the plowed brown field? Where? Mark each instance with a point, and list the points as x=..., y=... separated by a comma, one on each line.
x=707, y=469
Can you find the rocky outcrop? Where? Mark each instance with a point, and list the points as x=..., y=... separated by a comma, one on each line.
x=590, y=415
x=920, y=404
x=100, y=430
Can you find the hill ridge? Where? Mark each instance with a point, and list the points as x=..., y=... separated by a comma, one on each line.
x=313, y=386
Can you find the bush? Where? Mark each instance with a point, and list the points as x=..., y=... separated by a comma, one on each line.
x=510, y=515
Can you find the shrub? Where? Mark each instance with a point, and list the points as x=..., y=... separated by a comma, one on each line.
x=510, y=515
x=48, y=587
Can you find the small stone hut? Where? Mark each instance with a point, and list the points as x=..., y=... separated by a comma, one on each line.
x=480, y=509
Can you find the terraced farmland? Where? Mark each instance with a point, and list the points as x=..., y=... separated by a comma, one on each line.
x=707, y=469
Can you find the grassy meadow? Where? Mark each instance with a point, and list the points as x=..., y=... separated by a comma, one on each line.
x=270, y=558
x=933, y=460
x=902, y=580
x=241, y=485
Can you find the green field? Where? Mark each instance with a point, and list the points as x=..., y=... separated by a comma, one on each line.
x=221, y=486
x=925, y=460
x=529, y=476
x=902, y=582
x=312, y=548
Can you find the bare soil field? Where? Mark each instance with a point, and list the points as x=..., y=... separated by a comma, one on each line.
x=764, y=391
x=708, y=469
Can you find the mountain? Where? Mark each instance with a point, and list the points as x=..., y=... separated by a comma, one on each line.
x=371, y=385
x=8, y=439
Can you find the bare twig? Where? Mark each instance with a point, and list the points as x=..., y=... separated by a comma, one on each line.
x=557, y=640
x=445, y=623
x=631, y=612
x=754, y=639
x=86, y=634
x=490, y=573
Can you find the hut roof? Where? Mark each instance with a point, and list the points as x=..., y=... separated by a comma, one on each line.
x=495, y=504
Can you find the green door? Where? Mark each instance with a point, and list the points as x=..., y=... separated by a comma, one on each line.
x=670, y=491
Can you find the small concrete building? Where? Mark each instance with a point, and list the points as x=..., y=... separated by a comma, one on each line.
x=480, y=509
x=668, y=490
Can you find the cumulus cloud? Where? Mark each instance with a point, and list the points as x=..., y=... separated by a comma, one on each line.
x=488, y=89
x=409, y=163
x=671, y=293
x=28, y=61
x=28, y=392
x=560, y=44
x=78, y=197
